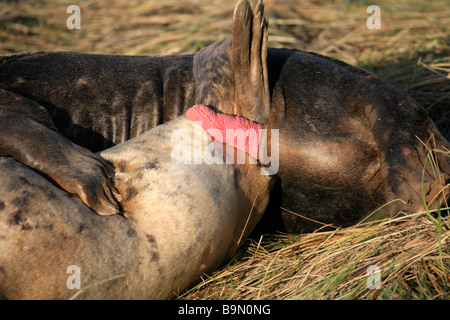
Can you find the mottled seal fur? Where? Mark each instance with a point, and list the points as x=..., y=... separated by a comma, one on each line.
x=180, y=221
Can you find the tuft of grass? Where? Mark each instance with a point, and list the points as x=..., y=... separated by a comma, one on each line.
x=335, y=264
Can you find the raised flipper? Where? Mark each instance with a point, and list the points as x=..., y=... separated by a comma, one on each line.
x=231, y=75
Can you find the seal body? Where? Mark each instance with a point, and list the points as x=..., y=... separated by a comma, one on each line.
x=180, y=222
x=349, y=142
x=93, y=100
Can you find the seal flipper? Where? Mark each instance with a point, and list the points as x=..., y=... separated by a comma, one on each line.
x=249, y=48
x=33, y=141
x=231, y=75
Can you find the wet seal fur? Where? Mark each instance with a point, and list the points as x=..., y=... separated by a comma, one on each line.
x=349, y=142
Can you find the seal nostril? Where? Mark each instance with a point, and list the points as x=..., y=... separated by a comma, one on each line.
x=429, y=188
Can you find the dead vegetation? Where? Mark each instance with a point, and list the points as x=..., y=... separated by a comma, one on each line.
x=336, y=265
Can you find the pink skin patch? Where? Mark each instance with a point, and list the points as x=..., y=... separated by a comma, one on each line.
x=228, y=129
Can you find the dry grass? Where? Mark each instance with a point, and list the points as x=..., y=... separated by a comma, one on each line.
x=411, y=51
x=334, y=265
x=336, y=28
